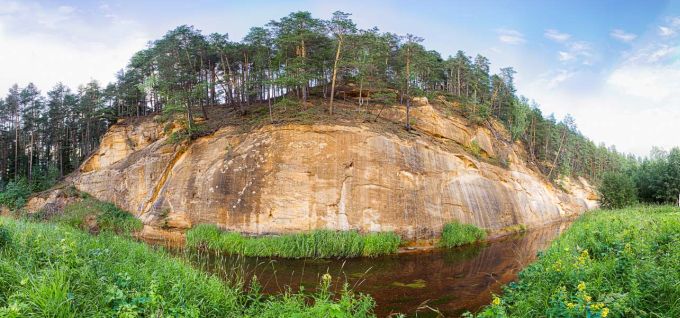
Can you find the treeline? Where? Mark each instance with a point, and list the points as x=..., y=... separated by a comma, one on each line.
x=294, y=58
x=43, y=137
x=652, y=180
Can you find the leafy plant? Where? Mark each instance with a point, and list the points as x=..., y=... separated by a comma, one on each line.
x=617, y=190
x=15, y=194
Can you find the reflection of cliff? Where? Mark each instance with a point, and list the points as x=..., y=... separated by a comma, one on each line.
x=289, y=178
x=454, y=280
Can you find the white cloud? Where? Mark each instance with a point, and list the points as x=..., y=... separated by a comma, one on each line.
x=577, y=52
x=556, y=35
x=510, y=36
x=565, y=56
x=556, y=79
x=622, y=36
x=666, y=31
x=657, y=83
x=633, y=106
x=62, y=44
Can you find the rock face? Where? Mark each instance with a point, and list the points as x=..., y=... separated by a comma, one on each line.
x=292, y=178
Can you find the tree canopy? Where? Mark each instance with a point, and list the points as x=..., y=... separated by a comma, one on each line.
x=294, y=57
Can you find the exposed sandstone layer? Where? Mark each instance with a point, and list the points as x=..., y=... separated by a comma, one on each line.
x=291, y=178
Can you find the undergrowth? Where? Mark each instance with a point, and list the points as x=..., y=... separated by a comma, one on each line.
x=617, y=263
x=49, y=270
x=92, y=215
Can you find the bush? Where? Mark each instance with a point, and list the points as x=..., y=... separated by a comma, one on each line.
x=617, y=191
x=97, y=216
x=15, y=194
x=456, y=234
x=316, y=244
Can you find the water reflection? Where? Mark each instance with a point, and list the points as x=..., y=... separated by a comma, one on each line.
x=449, y=281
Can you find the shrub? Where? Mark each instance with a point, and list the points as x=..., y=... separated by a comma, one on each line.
x=15, y=194
x=457, y=234
x=475, y=149
x=617, y=190
x=107, y=217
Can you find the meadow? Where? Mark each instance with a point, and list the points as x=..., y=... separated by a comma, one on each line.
x=56, y=270
x=610, y=263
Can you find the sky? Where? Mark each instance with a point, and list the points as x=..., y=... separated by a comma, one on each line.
x=613, y=65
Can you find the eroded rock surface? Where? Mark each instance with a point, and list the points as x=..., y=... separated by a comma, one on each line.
x=292, y=178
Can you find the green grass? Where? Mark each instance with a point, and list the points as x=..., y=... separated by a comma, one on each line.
x=616, y=263
x=93, y=215
x=316, y=244
x=49, y=270
x=457, y=234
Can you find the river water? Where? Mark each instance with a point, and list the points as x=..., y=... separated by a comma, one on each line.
x=446, y=281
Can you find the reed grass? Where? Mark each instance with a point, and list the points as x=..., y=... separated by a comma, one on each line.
x=457, y=234
x=315, y=244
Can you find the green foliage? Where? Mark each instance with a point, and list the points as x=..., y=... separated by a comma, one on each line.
x=617, y=190
x=520, y=111
x=620, y=263
x=384, y=98
x=90, y=214
x=177, y=137
x=380, y=243
x=475, y=149
x=15, y=194
x=56, y=271
x=657, y=178
x=5, y=239
x=457, y=234
x=316, y=244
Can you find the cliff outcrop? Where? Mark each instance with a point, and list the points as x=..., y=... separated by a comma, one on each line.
x=297, y=177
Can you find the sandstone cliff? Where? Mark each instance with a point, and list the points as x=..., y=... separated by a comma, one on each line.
x=292, y=177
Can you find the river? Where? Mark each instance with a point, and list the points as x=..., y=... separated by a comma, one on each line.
x=440, y=281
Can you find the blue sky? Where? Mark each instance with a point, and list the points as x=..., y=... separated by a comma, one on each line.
x=613, y=65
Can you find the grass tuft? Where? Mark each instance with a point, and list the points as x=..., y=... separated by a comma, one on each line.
x=316, y=244
x=457, y=234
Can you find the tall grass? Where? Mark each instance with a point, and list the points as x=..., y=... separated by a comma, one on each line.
x=49, y=270
x=616, y=263
x=315, y=244
x=457, y=234
x=93, y=215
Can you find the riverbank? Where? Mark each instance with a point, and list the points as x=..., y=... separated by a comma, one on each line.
x=448, y=280
x=617, y=263
x=49, y=270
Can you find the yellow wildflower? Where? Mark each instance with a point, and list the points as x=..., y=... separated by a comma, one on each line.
x=605, y=312
x=588, y=298
x=496, y=301
x=581, y=286
x=571, y=305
